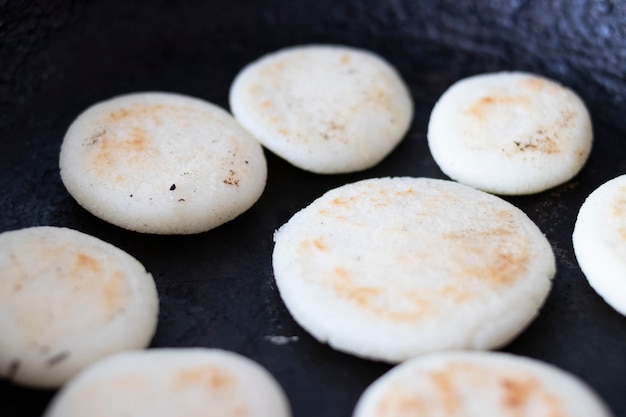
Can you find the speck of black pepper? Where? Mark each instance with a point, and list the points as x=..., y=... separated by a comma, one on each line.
x=246, y=162
x=131, y=196
x=173, y=187
x=181, y=200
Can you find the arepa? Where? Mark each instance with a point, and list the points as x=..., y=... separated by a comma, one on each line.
x=599, y=240
x=68, y=299
x=510, y=133
x=162, y=163
x=479, y=384
x=327, y=109
x=390, y=268
x=183, y=382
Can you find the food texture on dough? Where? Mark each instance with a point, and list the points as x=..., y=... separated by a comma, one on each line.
x=327, y=109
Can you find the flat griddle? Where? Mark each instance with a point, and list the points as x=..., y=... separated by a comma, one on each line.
x=217, y=288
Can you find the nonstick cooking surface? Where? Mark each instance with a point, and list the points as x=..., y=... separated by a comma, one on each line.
x=217, y=288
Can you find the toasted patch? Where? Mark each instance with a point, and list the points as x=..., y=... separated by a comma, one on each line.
x=162, y=163
x=68, y=299
x=324, y=108
x=510, y=133
x=390, y=268
x=478, y=384
x=599, y=240
x=173, y=382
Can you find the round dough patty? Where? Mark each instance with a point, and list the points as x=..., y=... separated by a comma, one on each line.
x=327, y=109
x=510, y=133
x=390, y=268
x=478, y=384
x=68, y=299
x=185, y=382
x=599, y=240
x=162, y=163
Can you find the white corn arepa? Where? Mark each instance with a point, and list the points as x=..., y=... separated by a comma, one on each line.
x=324, y=108
x=390, y=268
x=68, y=299
x=599, y=240
x=184, y=382
x=479, y=384
x=510, y=133
x=162, y=163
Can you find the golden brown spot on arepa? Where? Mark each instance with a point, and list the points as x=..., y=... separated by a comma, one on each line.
x=345, y=202
x=320, y=244
x=619, y=207
x=490, y=255
x=207, y=376
x=397, y=402
x=519, y=394
x=379, y=97
x=88, y=271
x=241, y=411
x=139, y=110
x=138, y=142
x=84, y=261
x=271, y=71
x=504, y=268
x=482, y=108
x=111, y=151
x=405, y=193
x=343, y=276
x=455, y=293
x=115, y=292
x=407, y=306
x=344, y=286
x=536, y=84
x=84, y=268
x=449, y=397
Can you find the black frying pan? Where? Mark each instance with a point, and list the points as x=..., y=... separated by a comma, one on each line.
x=216, y=288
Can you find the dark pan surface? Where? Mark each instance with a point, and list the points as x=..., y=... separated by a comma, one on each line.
x=217, y=288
